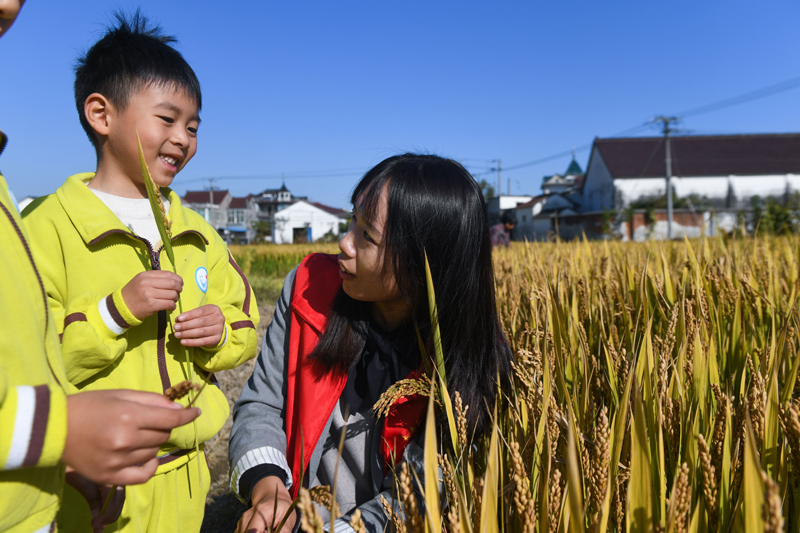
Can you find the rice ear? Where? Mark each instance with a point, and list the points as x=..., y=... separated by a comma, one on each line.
x=154, y=195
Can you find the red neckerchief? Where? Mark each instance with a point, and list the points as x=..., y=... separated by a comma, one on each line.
x=311, y=394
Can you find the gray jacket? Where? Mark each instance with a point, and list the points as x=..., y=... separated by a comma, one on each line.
x=258, y=436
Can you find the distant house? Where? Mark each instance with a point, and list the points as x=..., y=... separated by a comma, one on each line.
x=557, y=183
x=727, y=170
x=231, y=216
x=211, y=205
x=496, y=206
x=538, y=219
x=714, y=178
x=290, y=218
x=306, y=222
x=242, y=213
x=270, y=201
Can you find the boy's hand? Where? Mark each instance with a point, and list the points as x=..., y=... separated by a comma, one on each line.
x=203, y=326
x=96, y=496
x=113, y=435
x=152, y=291
x=268, y=495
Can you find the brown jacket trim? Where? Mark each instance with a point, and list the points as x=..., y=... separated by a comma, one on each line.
x=115, y=314
x=74, y=317
x=161, y=350
x=112, y=232
x=40, y=414
x=246, y=305
x=242, y=324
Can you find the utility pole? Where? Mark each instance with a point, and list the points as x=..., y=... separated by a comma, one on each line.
x=211, y=190
x=509, y=186
x=499, y=180
x=666, y=130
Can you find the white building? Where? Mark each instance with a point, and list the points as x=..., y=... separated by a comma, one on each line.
x=538, y=219
x=306, y=222
x=497, y=205
x=557, y=183
x=725, y=171
x=212, y=205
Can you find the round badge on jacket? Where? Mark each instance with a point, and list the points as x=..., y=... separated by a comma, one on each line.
x=201, y=277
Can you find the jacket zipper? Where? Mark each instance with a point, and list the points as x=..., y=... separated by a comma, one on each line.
x=161, y=331
x=155, y=263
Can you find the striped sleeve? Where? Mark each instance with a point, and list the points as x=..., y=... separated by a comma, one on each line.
x=34, y=422
x=115, y=313
x=260, y=456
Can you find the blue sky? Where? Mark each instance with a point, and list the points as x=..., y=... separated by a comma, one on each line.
x=321, y=91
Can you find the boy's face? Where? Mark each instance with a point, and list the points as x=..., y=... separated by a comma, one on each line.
x=167, y=121
x=9, y=9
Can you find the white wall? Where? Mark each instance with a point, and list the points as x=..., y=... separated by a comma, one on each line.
x=303, y=215
x=714, y=188
x=501, y=203
x=598, y=187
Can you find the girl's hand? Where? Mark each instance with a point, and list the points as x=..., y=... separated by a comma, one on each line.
x=203, y=326
x=96, y=496
x=270, y=500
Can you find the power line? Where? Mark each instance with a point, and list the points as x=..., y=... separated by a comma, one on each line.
x=742, y=98
x=485, y=171
x=707, y=108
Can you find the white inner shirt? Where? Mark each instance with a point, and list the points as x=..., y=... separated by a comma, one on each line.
x=135, y=213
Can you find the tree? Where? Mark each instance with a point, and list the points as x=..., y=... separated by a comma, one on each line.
x=263, y=231
x=486, y=189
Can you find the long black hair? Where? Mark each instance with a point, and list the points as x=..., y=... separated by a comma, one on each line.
x=434, y=207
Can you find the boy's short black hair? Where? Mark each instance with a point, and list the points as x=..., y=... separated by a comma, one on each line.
x=132, y=55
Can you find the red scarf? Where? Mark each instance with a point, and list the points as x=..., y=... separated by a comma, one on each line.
x=312, y=395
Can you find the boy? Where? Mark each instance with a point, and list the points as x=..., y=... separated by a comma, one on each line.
x=108, y=436
x=111, y=286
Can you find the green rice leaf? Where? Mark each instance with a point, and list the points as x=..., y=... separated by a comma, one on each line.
x=437, y=336
x=433, y=522
x=752, y=485
x=154, y=195
x=640, y=488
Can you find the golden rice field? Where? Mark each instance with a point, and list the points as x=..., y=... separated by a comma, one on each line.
x=654, y=391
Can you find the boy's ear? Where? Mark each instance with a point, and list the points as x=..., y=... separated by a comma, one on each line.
x=97, y=110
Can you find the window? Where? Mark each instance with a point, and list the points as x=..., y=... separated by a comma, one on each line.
x=235, y=216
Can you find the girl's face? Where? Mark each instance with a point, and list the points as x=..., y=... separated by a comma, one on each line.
x=362, y=259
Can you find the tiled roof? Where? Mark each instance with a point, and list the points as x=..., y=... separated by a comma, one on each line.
x=713, y=155
x=204, y=197
x=533, y=202
x=332, y=210
x=238, y=202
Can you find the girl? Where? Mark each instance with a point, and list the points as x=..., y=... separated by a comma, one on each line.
x=344, y=331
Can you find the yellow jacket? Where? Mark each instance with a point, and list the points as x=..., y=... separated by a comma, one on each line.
x=33, y=409
x=86, y=255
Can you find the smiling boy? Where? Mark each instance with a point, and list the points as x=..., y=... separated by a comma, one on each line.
x=110, y=286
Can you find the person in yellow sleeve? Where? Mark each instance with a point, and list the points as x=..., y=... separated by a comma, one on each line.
x=111, y=286
x=110, y=437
